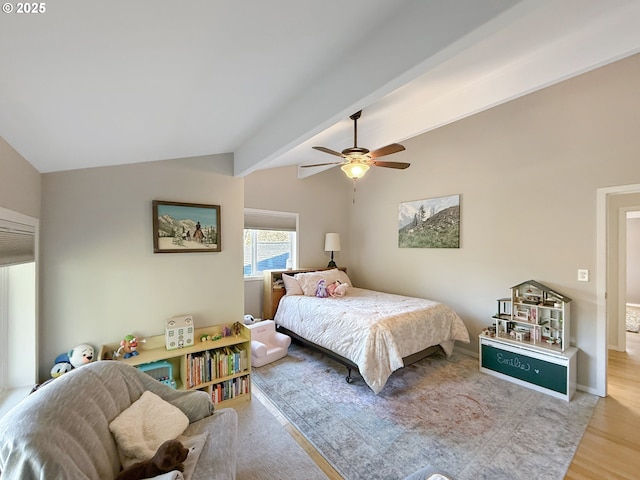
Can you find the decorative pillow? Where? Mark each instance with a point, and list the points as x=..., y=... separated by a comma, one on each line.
x=144, y=426
x=291, y=285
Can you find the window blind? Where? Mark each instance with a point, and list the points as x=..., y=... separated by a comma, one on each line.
x=270, y=220
x=17, y=243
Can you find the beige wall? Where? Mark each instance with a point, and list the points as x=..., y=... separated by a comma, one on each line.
x=20, y=192
x=323, y=203
x=19, y=182
x=527, y=173
x=100, y=279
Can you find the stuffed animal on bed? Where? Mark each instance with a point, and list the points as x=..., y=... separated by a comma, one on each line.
x=337, y=289
x=321, y=291
x=170, y=456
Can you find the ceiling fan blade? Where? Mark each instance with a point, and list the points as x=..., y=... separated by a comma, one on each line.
x=328, y=150
x=388, y=150
x=322, y=164
x=398, y=165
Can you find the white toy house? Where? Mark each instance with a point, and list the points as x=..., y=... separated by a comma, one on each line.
x=179, y=332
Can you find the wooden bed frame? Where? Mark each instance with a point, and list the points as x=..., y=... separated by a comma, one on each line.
x=274, y=291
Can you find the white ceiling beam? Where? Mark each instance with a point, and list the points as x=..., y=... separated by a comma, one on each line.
x=393, y=54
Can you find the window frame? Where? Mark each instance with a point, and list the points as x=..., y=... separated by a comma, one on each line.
x=6, y=368
x=276, y=219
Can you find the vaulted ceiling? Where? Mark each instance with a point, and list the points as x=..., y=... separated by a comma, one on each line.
x=86, y=84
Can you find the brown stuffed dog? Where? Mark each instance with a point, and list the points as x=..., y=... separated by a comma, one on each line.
x=170, y=456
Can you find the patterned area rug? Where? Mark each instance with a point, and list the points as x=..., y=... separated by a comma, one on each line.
x=633, y=320
x=440, y=411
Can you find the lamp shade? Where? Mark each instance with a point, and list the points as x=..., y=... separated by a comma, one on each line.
x=332, y=242
x=355, y=169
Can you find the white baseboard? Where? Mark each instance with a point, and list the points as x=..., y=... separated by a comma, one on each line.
x=585, y=389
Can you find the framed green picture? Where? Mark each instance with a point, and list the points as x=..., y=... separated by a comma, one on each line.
x=430, y=223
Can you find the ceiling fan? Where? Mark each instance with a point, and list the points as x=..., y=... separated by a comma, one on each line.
x=357, y=160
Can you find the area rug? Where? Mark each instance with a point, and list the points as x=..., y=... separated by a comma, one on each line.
x=440, y=411
x=633, y=319
x=266, y=451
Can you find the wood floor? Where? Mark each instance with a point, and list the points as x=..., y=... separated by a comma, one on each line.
x=610, y=448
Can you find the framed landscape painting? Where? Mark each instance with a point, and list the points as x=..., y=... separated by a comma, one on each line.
x=185, y=227
x=430, y=223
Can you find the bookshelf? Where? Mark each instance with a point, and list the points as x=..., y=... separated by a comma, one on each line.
x=222, y=367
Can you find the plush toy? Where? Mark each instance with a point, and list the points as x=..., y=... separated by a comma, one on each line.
x=76, y=357
x=332, y=288
x=170, y=456
x=237, y=329
x=129, y=345
x=60, y=368
x=321, y=291
x=81, y=355
x=341, y=290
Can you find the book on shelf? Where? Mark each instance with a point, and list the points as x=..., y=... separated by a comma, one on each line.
x=230, y=389
x=205, y=367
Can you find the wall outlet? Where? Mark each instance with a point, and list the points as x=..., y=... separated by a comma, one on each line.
x=583, y=275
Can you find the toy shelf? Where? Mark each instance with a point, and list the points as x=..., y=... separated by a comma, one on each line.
x=237, y=383
x=528, y=342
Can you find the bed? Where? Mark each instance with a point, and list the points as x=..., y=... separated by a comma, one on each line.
x=373, y=332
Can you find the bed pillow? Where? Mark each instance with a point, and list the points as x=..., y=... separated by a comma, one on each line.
x=291, y=285
x=344, y=278
x=144, y=426
x=309, y=280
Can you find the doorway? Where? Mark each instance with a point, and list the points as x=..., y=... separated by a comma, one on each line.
x=630, y=321
x=613, y=203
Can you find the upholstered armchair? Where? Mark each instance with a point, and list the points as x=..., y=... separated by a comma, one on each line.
x=267, y=345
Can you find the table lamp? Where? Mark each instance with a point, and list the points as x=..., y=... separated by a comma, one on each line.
x=332, y=244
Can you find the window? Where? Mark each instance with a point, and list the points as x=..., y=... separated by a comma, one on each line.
x=270, y=241
x=17, y=300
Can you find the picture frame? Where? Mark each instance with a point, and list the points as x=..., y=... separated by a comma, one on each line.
x=430, y=223
x=185, y=227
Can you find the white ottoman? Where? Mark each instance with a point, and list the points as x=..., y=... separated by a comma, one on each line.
x=267, y=345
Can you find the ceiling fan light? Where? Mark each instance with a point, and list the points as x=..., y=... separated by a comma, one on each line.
x=355, y=170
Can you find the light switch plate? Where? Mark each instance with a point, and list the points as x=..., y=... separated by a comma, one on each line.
x=583, y=275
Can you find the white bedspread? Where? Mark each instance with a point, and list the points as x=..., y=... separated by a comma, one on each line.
x=372, y=329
